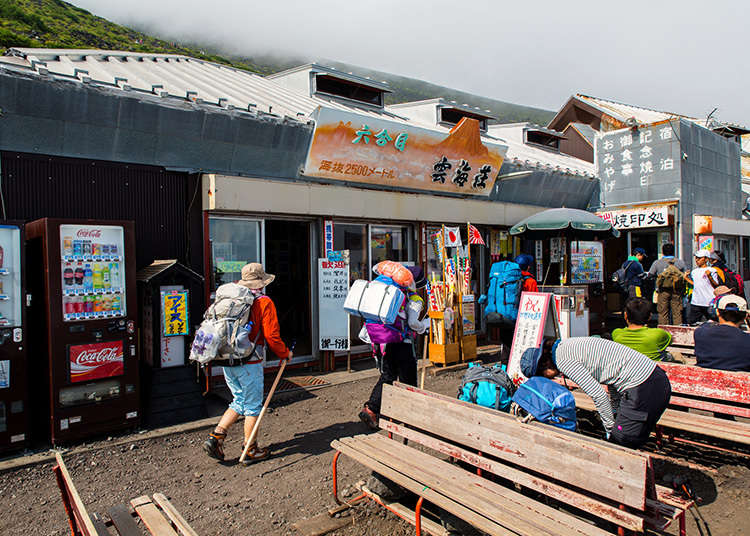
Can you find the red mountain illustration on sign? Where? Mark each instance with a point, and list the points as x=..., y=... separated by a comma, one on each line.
x=463, y=140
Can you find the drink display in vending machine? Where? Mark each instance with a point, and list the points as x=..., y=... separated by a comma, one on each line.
x=89, y=308
x=13, y=366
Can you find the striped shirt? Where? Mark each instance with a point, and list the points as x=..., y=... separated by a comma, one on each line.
x=591, y=362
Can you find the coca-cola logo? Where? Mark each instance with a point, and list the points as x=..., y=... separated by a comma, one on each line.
x=89, y=233
x=98, y=357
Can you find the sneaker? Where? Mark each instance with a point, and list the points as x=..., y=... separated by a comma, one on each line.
x=213, y=447
x=255, y=454
x=368, y=417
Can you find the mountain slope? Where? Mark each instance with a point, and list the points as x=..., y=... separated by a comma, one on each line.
x=58, y=24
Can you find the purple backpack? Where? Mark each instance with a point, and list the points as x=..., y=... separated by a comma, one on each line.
x=380, y=333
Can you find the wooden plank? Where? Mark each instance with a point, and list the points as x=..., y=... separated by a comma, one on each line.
x=681, y=335
x=156, y=523
x=182, y=526
x=709, y=383
x=616, y=474
x=406, y=513
x=99, y=525
x=508, y=507
x=123, y=521
x=709, y=406
x=417, y=487
x=438, y=371
x=79, y=509
x=588, y=504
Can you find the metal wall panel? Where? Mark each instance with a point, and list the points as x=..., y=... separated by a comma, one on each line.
x=36, y=186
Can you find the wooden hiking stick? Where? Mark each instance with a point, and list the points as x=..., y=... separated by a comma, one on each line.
x=424, y=362
x=254, y=433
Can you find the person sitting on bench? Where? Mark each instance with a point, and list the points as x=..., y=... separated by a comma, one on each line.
x=639, y=391
x=651, y=342
x=723, y=345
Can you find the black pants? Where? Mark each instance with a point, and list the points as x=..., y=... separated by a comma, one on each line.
x=696, y=313
x=398, y=363
x=640, y=409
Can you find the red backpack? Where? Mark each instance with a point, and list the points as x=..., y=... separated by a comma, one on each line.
x=734, y=281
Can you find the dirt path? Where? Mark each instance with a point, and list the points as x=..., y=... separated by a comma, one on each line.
x=227, y=499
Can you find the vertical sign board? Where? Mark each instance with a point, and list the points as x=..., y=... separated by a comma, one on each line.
x=539, y=254
x=469, y=314
x=174, y=325
x=333, y=286
x=328, y=238
x=536, y=320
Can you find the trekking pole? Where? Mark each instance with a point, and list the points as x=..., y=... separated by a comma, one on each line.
x=254, y=433
x=424, y=363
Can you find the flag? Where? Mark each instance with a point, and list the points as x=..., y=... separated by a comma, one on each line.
x=474, y=236
x=452, y=237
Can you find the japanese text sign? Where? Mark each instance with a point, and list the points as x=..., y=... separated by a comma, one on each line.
x=94, y=361
x=174, y=307
x=362, y=148
x=637, y=218
x=333, y=286
x=537, y=318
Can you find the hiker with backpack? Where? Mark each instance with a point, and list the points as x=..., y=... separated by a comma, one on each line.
x=251, y=321
x=670, y=285
x=639, y=390
x=704, y=279
x=393, y=344
x=727, y=276
x=630, y=276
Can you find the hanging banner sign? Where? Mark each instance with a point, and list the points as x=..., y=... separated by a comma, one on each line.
x=353, y=147
x=333, y=286
x=706, y=242
x=174, y=309
x=328, y=236
x=637, y=217
x=537, y=318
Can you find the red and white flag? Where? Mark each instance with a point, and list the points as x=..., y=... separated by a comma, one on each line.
x=452, y=237
x=474, y=236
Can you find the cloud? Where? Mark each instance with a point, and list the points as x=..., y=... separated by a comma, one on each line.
x=680, y=56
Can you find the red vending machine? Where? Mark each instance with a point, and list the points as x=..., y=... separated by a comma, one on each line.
x=85, y=297
x=14, y=420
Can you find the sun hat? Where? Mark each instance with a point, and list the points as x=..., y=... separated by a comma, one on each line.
x=254, y=277
x=721, y=290
x=702, y=253
x=530, y=361
x=730, y=302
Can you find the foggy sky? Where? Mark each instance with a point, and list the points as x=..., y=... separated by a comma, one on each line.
x=678, y=56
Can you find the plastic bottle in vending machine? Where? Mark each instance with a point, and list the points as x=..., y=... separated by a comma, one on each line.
x=96, y=276
x=88, y=305
x=78, y=275
x=114, y=274
x=106, y=282
x=97, y=304
x=68, y=305
x=88, y=278
x=68, y=277
x=67, y=245
x=77, y=248
x=78, y=305
x=86, y=247
x=116, y=304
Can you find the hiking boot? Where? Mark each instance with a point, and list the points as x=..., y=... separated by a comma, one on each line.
x=255, y=454
x=214, y=446
x=368, y=417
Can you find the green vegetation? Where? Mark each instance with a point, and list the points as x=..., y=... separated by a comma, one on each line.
x=57, y=24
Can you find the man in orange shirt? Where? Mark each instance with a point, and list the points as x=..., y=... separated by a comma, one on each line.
x=245, y=378
x=526, y=261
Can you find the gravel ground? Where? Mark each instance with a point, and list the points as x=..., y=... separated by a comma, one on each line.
x=267, y=498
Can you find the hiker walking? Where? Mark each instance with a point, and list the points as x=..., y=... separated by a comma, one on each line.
x=244, y=377
x=397, y=360
x=670, y=285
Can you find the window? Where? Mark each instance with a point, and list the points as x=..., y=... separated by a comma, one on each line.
x=548, y=141
x=234, y=243
x=453, y=116
x=390, y=243
x=337, y=87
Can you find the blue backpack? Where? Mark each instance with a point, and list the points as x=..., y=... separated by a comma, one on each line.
x=547, y=402
x=504, y=293
x=490, y=387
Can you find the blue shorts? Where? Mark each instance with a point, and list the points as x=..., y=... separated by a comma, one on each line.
x=246, y=385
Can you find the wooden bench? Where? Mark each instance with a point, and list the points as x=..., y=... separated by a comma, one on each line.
x=158, y=515
x=601, y=482
x=720, y=392
x=682, y=341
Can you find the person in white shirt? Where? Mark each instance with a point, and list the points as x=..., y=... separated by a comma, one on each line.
x=704, y=279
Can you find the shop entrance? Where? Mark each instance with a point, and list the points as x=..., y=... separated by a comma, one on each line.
x=649, y=241
x=288, y=257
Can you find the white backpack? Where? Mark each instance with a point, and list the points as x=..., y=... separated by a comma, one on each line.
x=223, y=333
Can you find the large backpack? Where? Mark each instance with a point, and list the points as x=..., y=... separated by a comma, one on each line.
x=223, y=333
x=504, y=293
x=382, y=304
x=619, y=277
x=734, y=281
x=547, y=402
x=486, y=386
x=670, y=279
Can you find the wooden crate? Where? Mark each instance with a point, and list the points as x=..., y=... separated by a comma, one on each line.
x=468, y=348
x=444, y=354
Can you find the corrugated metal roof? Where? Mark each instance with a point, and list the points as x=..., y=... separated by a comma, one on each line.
x=533, y=157
x=322, y=69
x=176, y=76
x=441, y=102
x=587, y=131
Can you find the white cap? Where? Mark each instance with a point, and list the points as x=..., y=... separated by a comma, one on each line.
x=702, y=253
x=730, y=302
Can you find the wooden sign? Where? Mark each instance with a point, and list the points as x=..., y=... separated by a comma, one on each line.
x=537, y=319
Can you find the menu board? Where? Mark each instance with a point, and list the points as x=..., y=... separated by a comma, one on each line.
x=469, y=314
x=536, y=319
x=92, y=272
x=333, y=286
x=586, y=262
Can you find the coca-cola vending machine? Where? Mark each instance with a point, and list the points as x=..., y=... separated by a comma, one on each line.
x=83, y=292
x=14, y=419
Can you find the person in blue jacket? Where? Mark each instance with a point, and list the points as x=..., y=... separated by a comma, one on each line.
x=634, y=273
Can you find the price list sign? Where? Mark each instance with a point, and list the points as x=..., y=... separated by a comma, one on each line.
x=333, y=286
